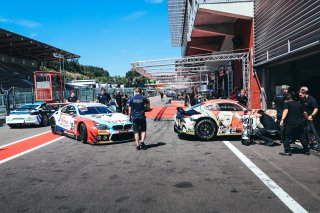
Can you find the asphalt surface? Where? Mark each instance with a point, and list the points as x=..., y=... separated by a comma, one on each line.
x=172, y=175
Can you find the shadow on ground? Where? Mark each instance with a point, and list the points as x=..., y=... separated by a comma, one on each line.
x=149, y=146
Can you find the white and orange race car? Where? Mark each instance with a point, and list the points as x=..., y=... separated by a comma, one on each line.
x=92, y=123
x=220, y=117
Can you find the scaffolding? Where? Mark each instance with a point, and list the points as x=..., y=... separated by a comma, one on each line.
x=177, y=10
x=195, y=70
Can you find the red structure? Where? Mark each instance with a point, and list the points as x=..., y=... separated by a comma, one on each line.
x=48, y=87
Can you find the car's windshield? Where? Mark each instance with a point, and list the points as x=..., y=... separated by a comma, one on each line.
x=95, y=110
x=197, y=105
x=28, y=106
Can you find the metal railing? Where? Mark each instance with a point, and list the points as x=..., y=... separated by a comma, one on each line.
x=18, y=96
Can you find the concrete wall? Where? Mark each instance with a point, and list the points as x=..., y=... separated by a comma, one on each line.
x=244, y=30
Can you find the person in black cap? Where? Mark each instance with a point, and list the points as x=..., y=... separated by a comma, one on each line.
x=73, y=97
x=292, y=120
x=103, y=97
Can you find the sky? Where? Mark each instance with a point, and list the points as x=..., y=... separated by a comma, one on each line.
x=105, y=33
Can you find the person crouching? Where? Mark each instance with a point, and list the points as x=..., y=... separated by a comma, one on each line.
x=268, y=125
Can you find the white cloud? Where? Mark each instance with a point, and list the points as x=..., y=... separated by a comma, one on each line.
x=154, y=1
x=21, y=22
x=134, y=15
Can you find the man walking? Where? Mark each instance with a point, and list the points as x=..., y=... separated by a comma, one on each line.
x=103, y=97
x=136, y=113
x=161, y=95
x=292, y=120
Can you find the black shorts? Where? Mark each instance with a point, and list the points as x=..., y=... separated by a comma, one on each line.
x=139, y=125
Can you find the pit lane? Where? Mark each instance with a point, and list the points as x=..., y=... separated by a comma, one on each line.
x=173, y=175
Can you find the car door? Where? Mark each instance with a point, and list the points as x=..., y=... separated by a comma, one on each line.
x=67, y=118
x=229, y=118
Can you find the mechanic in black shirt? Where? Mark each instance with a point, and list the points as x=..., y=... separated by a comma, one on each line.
x=278, y=102
x=242, y=98
x=309, y=102
x=311, y=106
x=73, y=97
x=292, y=120
x=125, y=104
x=118, y=101
x=136, y=113
x=103, y=97
x=268, y=125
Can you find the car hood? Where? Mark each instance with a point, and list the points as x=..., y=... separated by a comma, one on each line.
x=109, y=119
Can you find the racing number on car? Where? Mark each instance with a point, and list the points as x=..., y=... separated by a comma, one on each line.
x=248, y=121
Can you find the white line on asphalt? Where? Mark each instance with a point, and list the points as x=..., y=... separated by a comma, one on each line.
x=23, y=139
x=277, y=190
x=30, y=150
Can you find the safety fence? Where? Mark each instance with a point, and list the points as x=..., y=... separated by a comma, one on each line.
x=15, y=97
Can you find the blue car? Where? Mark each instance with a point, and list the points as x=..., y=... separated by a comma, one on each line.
x=36, y=113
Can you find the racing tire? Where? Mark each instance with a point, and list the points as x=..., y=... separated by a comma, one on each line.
x=53, y=126
x=44, y=121
x=245, y=142
x=12, y=126
x=206, y=129
x=83, y=133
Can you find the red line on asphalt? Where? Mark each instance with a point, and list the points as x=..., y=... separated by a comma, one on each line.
x=25, y=145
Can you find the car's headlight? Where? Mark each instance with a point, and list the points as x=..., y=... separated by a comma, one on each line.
x=101, y=126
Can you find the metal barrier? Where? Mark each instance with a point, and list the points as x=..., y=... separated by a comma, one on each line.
x=17, y=96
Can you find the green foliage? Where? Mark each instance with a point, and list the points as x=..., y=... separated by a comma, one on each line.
x=82, y=72
x=74, y=66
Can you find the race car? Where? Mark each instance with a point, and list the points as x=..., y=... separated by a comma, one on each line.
x=92, y=123
x=220, y=117
x=36, y=113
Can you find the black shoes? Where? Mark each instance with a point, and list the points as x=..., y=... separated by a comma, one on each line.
x=269, y=143
x=307, y=152
x=285, y=153
x=141, y=146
